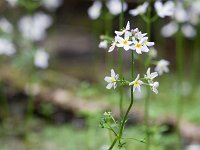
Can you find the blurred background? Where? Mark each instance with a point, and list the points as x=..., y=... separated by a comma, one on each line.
x=52, y=69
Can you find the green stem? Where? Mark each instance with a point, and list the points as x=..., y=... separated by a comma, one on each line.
x=129, y=108
x=147, y=120
x=195, y=62
x=179, y=64
x=113, y=144
x=120, y=63
x=131, y=104
x=146, y=107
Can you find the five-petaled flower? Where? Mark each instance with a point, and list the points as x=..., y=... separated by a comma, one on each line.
x=136, y=84
x=149, y=75
x=124, y=42
x=112, y=80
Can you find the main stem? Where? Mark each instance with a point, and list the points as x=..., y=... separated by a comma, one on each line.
x=146, y=106
x=179, y=64
x=120, y=64
x=129, y=108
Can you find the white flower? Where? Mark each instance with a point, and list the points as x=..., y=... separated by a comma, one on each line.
x=180, y=14
x=112, y=80
x=188, y=30
x=52, y=4
x=12, y=3
x=34, y=27
x=126, y=30
x=162, y=66
x=138, y=34
x=94, y=11
x=103, y=44
x=164, y=10
x=136, y=84
x=139, y=46
x=6, y=47
x=124, y=42
x=41, y=58
x=154, y=86
x=149, y=75
x=141, y=9
x=115, y=7
x=5, y=25
x=169, y=29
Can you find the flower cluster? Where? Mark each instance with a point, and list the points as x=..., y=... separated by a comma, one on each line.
x=137, y=83
x=131, y=40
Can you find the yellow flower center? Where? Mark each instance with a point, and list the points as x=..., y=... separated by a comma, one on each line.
x=138, y=45
x=136, y=83
x=125, y=42
x=113, y=80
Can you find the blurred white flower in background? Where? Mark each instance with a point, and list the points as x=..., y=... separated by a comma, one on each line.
x=169, y=29
x=141, y=9
x=166, y=9
x=6, y=47
x=52, y=5
x=12, y=3
x=115, y=7
x=185, y=18
x=188, y=30
x=41, y=58
x=94, y=11
x=34, y=27
x=162, y=66
x=5, y=25
x=180, y=14
x=103, y=44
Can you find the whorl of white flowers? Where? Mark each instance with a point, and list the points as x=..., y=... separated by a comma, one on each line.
x=131, y=40
x=137, y=83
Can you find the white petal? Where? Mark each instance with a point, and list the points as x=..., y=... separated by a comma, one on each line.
x=128, y=26
x=150, y=43
x=138, y=50
x=109, y=86
x=143, y=40
x=138, y=76
x=108, y=79
x=112, y=73
x=126, y=47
